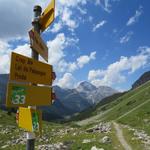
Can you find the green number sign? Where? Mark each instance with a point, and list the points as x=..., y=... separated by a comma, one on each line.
x=18, y=95
x=35, y=121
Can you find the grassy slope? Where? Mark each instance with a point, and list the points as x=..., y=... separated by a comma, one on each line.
x=130, y=101
x=53, y=133
x=92, y=111
x=120, y=106
x=136, y=143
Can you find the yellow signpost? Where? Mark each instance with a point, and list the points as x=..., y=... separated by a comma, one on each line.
x=26, y=73
x=30, y=119
x=47, y=16
x=25, y=69
x=25, y=95
x=38, y=44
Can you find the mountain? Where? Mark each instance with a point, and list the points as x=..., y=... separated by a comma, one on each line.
x=144, y=78
x=126, y=115
x=94, y=94
x=71, y=99
x=55, y=111
x=85, y=87
x=68, y=101
x=3, y=86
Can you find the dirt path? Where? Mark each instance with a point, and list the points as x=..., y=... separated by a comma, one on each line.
x=120, y=137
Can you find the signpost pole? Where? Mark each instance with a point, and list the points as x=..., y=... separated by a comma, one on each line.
x=37, y=12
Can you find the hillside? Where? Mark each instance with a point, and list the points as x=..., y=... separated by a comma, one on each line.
x=57, y=136
x=143, y=78
x=120, y=106
x=120, y=124
x=91, y=111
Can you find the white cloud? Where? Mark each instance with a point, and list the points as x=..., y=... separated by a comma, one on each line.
x=67, y=81
x=82, y=60
x=23, y=50
x=82, y=11
x=135, y=18
x=3, y=47
x=66, y=18
x=21, y=12
x=72, y=3
x=126, y=38
x=56, y=47
x=72, y=67
x=5, y=54
x=4, y=64
x=56, y=27
x=16, y=17
x=57, y=54
x=65, y=14
x=95, y=74
x=105, y=4
x=100, y=24
x=114, y=74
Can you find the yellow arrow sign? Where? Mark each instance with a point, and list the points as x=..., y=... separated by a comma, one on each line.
x=38, y=44
x=25, y=69
x=27, y=95
x=30, y=119
x=47, y=16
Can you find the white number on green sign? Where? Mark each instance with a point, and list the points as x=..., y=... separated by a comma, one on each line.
x=19, y=99
x=18, y=95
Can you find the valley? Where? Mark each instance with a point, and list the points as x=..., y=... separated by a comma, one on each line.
x=122, y=125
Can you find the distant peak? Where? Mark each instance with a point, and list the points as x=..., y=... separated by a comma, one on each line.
x=85, y=86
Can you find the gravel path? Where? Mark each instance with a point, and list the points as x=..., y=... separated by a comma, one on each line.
x=120, y=137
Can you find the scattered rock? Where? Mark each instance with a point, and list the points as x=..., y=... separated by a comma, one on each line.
x=106, y=140
x=57, y=146
x=146, y=120
x=4, y=146
x=101, y=127
x=95, y=148
x=140, y=135
x=88, y=140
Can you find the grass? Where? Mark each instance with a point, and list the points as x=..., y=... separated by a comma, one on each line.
x=139, y=119
x=128, y=102
x=52, y=131
x=134, y=142
x=101, y=106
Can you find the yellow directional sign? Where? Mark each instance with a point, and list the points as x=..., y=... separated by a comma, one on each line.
x=30, y=119
x=28, y=95
x=25, y=69
x=38, y=44
x=47, y=16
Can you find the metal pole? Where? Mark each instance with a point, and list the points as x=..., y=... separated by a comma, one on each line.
x=37, y=12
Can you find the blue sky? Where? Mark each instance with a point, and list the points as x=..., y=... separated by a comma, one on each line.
x=105, y=42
